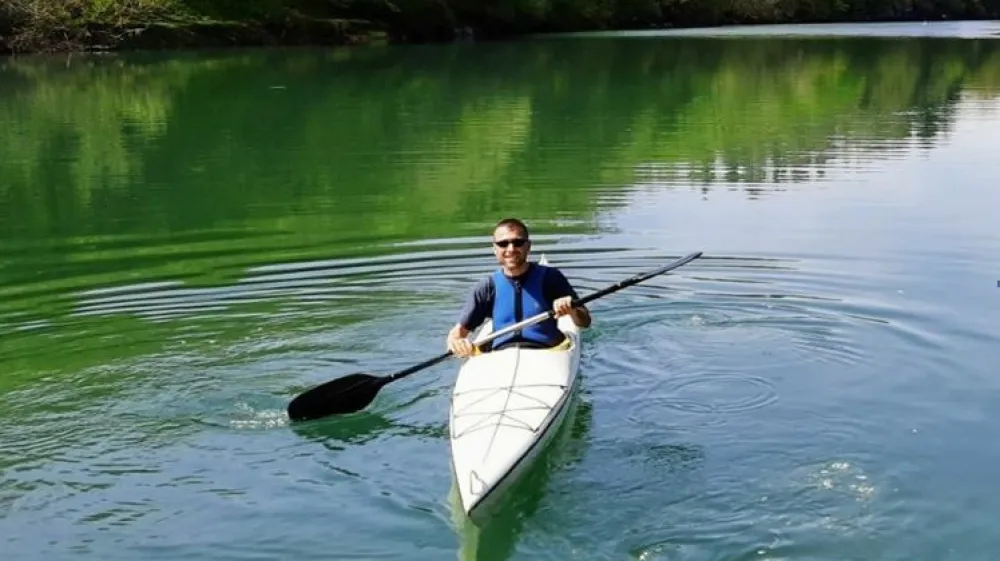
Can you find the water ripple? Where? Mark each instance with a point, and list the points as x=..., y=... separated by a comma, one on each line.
x=694, y=392
x=670, y=366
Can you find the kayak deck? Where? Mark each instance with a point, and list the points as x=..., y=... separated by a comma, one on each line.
x=505, y=407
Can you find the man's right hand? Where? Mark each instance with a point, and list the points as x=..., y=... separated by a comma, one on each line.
x=461, y=347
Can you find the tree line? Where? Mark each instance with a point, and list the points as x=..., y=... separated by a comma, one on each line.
x=31, y=25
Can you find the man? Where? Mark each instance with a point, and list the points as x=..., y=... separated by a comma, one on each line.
x=519, y=289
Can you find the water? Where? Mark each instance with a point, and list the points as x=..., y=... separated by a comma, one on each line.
x=190, y=240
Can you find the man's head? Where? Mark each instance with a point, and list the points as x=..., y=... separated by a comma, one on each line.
x=511, y=245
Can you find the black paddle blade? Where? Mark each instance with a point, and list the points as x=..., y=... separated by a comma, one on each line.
x=336, y=397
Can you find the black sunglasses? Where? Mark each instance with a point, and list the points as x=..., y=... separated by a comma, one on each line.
x=516, y=242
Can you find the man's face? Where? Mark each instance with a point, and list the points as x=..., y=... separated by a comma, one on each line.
x=505, y=246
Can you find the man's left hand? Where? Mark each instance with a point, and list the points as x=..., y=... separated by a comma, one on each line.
x=563, y=306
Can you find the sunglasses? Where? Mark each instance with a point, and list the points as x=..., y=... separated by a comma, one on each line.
x=516, y=242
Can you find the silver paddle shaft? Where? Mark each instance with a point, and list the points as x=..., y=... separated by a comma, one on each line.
x=516, y=327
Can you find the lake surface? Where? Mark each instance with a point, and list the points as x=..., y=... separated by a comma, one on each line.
x=189, y=240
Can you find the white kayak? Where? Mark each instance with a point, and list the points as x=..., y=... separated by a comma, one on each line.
x=505, y=407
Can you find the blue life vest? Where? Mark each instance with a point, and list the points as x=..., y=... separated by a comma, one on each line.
x=515, y=303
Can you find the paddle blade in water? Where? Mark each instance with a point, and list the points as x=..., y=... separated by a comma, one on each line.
x=336, y=397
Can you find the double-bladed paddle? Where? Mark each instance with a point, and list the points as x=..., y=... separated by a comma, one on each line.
x=355, y=391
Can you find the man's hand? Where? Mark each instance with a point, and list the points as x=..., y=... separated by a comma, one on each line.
x=563, y=306
x=461, y=347
x=458, y=342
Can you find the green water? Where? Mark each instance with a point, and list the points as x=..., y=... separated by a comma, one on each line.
x=188, y=240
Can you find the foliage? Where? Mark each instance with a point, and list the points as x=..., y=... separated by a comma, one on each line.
x=36, y=24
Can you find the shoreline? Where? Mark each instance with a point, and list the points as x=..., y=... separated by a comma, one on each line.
x=307, y=31
x=183, y=35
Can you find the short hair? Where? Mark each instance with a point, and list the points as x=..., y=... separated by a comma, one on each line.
x=513, y=222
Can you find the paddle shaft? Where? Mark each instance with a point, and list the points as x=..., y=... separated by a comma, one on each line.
x=546, y=315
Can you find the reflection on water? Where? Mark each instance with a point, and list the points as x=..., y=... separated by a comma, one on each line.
x=137, y=156
x=496, y=538
x=888, y=30
x=362, y=428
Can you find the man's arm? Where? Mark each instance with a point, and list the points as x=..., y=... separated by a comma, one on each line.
x=477, y=308
x=581, y=316
x=458, y=332
x=558, y=286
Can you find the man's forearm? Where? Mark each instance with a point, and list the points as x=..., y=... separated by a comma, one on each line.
x=581, y=317
x=458, y=332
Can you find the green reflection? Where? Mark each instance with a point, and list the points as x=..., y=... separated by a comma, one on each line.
x=193, y=168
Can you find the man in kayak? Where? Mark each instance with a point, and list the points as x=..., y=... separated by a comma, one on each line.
x=517, y=290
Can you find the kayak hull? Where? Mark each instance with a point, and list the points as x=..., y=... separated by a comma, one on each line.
x=506, y=406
